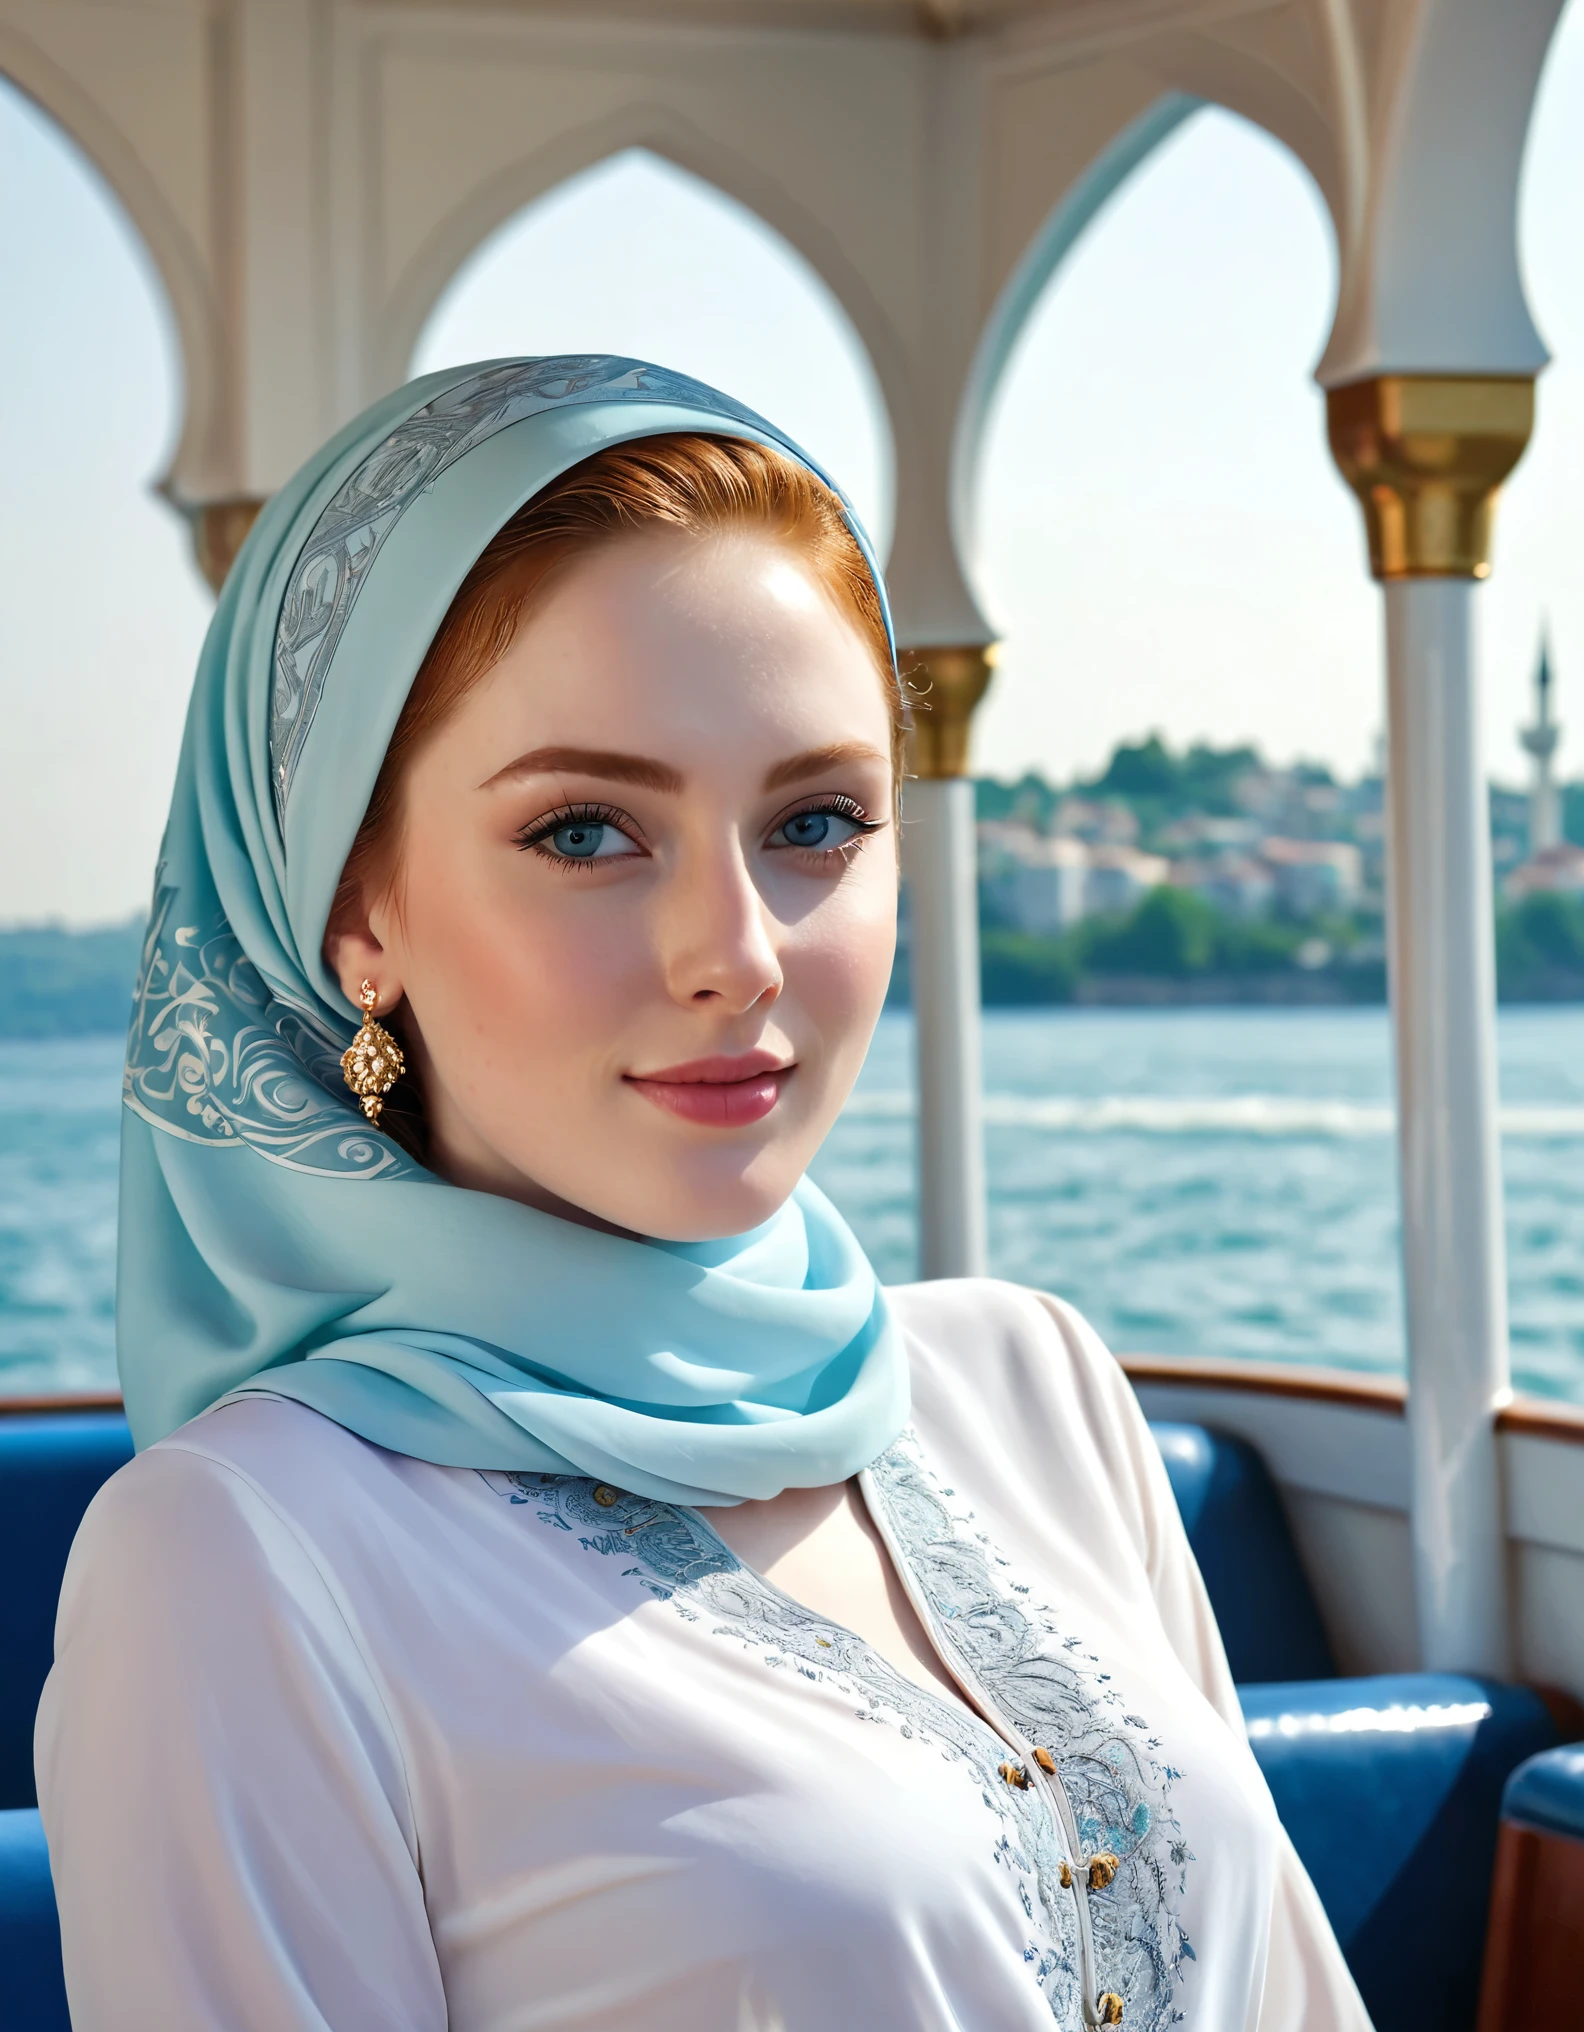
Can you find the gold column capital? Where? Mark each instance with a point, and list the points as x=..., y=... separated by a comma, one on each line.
x=944, y=684
x=1426, y=454
x=219, y=530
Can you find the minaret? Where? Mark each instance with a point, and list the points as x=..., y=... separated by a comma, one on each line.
x=1541, y=739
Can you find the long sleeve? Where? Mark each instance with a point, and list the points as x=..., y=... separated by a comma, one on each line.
x=223, y=1791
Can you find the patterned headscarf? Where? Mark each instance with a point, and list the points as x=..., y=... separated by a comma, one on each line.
x=270, y=1240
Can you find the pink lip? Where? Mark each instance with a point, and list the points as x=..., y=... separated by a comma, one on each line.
x=723, y=1093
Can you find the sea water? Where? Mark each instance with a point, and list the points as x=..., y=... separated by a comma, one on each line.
x=1213, y=1182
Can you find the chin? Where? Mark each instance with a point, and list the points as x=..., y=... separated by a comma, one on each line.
x=684, y=1209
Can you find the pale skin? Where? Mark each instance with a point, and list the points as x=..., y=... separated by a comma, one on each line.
x=657, y=838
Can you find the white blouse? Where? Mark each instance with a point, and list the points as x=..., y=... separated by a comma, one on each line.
x=337, y=1739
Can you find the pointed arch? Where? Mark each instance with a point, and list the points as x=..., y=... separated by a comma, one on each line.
x=662, y=133
x=174, y=261
x=1063, y=228
x=1154, y=494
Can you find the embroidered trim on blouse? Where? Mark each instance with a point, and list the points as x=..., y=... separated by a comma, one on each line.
x=1055, y=1693
x=1052, y=1690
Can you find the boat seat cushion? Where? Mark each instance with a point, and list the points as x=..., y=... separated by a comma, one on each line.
x=32, y=1988
x=1241, y=1539
x=1390, y=1789
x=51, y=1464
x=1548, y=1793
x=1534, y=1957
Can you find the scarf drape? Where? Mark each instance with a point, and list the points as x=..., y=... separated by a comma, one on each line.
x=269, y=1239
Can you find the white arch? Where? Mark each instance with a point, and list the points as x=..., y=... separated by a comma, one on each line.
x=1535, y=583
x=663, y=133
x=106, y=610
x=175, y=261
x=639, y=256
x=1110, y=521
x=1051, y=245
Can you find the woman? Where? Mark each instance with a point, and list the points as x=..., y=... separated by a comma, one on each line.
x=558, y=1587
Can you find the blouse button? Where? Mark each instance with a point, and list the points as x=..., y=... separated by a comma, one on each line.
x=1014, y=1774
x=1101, y=1871
x=606, y=1496
x=1110, y=2008
x=1046, y=1762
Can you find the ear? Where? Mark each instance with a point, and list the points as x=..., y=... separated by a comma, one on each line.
x=354, y=954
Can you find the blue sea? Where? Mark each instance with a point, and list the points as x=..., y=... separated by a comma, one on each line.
x=1209, y=1182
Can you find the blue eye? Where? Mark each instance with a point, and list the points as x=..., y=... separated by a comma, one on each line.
x=808, y=829
x=575, y=838
x=580, y=841
x=821, y=832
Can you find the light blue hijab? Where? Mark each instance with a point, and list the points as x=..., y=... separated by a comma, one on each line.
x=270, y=1241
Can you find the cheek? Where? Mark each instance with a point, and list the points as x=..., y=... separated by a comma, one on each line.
x=838, y=959
x=513, y=963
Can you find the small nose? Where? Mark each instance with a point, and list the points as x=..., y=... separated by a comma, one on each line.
x=716, y=937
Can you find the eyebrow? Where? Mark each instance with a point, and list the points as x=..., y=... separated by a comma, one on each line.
x=816, y=761
x=648, y=774
x=605, y=762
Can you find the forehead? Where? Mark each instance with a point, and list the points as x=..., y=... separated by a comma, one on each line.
x=718, y=639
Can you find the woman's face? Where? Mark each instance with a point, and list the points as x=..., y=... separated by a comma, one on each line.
x=645, y=907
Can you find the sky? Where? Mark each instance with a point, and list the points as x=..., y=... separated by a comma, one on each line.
x=1160, y=538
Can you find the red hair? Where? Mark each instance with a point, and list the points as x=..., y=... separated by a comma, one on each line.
x=698, y=485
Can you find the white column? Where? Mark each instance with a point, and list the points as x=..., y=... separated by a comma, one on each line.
x=1443, y=1004
x=939, y=861
x=278, y=232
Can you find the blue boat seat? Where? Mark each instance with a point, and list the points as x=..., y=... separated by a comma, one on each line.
x=1239, y=1533
x=1547, y=1793
x=51, y=1465
x=1534, y=1959
x=32, y=1988
x=1390, y=1789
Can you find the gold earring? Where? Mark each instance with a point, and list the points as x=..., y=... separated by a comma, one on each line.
x=372, y=1063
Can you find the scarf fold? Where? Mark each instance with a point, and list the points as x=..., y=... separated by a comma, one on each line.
x=270, y=1241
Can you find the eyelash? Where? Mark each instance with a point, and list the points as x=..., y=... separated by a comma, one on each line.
x=533, y=836
x=837, y=806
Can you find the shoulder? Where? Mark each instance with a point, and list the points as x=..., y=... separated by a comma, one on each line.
x=998, y=1350
x=204, y=1577
x=242, y=1490
x=1019, y=1396
x=284, y=1448
x=267, y=1445
x=236, y=1654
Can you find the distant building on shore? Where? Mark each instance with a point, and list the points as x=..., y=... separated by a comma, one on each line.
x=1208, y=834
x=1314, y=877
x=1119, y=877
x=1044, y=884
x=1034, y=883
x=1251, y=840
x=1559, y=868
x=1554, y=864
x=1540, y=741
x=1238, y=885
x=1104, y=822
